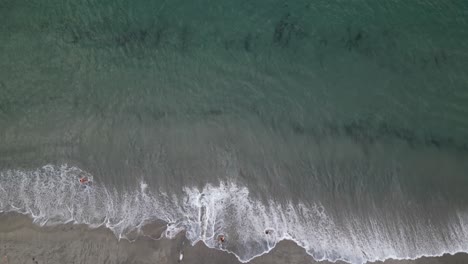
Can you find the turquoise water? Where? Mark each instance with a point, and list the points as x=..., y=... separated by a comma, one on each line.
x=339, y=124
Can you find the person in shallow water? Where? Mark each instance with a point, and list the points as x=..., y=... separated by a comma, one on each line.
x=84, y=180
x=221, y=238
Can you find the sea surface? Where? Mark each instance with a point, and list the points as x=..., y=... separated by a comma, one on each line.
x=339, y=125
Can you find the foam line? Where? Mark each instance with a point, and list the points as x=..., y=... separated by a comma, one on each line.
x=52, y=195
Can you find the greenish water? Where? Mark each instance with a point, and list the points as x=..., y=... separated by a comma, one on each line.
x=354, y=113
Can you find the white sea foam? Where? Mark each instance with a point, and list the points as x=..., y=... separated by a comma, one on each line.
x=53, y=195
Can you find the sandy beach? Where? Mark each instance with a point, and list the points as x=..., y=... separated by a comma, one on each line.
x=24, y=242
x=341, y=125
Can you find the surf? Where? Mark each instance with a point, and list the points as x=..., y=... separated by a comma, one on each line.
x=53, y=195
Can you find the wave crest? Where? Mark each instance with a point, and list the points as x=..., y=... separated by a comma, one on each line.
x=53, y=195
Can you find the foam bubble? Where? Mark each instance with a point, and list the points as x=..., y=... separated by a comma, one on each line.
x=53, y=195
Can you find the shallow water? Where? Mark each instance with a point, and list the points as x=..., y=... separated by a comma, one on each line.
x=339, y=125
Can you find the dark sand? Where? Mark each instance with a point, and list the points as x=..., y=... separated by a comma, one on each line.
x=23, y=242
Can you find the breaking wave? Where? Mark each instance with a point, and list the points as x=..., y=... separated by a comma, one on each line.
x=53, y=195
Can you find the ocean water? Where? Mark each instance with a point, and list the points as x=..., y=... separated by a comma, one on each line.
x=340, y=125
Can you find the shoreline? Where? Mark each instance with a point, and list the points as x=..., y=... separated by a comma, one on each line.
x=25, y=242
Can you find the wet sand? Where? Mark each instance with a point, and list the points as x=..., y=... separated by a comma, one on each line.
x=23, y=242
